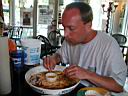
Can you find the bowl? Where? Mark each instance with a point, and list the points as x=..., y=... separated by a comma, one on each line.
x=41, y=90
x=51, y=77
x=95, y=91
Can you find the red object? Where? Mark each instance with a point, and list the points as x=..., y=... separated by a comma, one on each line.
x=11, y=45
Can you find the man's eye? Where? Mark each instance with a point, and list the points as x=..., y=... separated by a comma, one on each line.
x=71, y=28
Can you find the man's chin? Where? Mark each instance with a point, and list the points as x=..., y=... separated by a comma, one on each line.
x=72, y=43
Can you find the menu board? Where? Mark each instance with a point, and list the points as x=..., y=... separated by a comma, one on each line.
x=45, y=15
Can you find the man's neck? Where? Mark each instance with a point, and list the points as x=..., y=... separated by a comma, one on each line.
x=90, y=36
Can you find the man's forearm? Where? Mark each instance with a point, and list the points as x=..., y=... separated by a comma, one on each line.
x=106, y=82
x=57, y=58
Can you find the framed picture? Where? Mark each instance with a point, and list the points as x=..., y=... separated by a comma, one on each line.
x=26, y=17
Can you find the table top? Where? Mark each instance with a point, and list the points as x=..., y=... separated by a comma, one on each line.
x=21, y=88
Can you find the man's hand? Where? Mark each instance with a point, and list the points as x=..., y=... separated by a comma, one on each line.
x=50, y=62
x=74, y=71
x=106, y=82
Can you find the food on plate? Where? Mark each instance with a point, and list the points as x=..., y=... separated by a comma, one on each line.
x=92, y=93
x=58, y=81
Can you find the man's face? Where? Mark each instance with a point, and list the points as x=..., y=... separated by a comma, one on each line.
x=74, y=27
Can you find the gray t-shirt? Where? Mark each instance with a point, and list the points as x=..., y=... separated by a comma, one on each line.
x=101, y=55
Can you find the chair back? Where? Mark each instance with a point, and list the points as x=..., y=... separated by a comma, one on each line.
x=44, y=39
x=121, y=39
x=46, y=48
x=16, y=32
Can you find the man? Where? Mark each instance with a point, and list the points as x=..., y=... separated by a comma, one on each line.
x=94, y=57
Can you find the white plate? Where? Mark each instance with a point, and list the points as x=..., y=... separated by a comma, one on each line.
x=39, y=69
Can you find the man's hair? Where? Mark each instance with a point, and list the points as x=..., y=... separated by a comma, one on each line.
x=85, y=10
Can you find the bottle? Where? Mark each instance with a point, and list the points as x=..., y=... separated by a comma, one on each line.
x=18, y=58
x=5, y=74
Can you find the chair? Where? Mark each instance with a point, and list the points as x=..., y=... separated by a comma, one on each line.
x=15, y=33
x=46, y=48
x=121, y=39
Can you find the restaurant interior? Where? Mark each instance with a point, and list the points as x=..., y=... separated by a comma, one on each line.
x=37, y=24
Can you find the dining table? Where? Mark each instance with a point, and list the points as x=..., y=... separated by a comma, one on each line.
x=21, y=88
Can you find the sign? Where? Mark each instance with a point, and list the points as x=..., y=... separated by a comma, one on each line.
x=45, y=15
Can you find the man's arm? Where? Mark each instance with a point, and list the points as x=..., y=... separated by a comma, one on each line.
x=106, y=82
x=102, y=81
x=56, y=57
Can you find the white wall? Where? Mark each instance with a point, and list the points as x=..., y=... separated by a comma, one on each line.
x=97, y=14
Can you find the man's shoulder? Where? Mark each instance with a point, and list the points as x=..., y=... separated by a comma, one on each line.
x=104, y=35
x=105, y=39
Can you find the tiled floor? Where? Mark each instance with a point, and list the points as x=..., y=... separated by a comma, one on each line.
x=126, y=85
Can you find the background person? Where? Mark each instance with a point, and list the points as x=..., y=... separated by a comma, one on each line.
x=94, y=57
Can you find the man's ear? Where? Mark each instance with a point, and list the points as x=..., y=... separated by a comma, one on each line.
x=88, y=26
